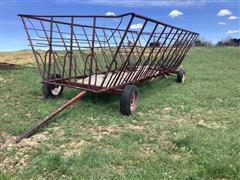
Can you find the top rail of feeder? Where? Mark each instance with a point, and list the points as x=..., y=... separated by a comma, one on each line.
x=105, y=16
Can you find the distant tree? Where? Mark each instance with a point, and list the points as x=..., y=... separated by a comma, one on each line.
x=229, y=42
x=201, y=42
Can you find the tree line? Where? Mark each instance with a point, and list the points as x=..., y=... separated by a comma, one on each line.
x=200, y=42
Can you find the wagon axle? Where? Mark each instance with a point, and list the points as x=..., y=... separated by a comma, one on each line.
x=128, y=102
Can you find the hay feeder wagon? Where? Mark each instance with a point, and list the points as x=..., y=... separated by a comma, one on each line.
x=104, y=54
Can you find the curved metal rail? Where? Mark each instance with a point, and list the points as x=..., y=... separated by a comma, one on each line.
x=100, y=53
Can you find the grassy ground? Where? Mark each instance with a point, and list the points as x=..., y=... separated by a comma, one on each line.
x=180, y=131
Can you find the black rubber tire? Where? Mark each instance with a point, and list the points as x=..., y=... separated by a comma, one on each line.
x=47, y=88
x=181, y=76
x=126, y=98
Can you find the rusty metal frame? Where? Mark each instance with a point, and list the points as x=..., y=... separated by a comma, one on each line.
x=104, y=59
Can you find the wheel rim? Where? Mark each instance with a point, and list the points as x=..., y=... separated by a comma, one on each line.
x=56, y=90
x=133, y=104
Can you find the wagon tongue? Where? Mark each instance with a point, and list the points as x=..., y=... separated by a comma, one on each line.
x=45, y=120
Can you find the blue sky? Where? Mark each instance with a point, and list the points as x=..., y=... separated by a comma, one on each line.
x=212, y=19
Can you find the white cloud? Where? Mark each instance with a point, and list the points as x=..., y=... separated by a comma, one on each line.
x=232, y=31
x=221, y=23
x=110, y=14
x=175, y=13
x=224, y=12
x=233, y=17
x=136, y=26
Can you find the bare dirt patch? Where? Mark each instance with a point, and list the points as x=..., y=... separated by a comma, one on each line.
x=72, y=148
x=212, y=125
x=57, y=131
x=6, y=140
x=199, y=120
x=98, y=132
x=4, y=80
x=14, y=156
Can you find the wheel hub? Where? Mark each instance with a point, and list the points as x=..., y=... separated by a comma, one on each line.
x=133, y=104
x=55, y=91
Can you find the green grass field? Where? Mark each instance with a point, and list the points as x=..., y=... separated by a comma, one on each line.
x=179, y=131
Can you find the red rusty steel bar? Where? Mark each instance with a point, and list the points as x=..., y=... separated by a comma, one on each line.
x=92, y=49
x=102, y=58
x=45, y=120
x=136, y=46
x=166, y=49
x=87, y=39
x=55, y=64
x=142, y=53
x=109, y=47
x=71, y=44
x=64, y=63
x=155, y=59
x=120, y=22
x=45, y=64
x=134, y=40
x=102, y=50
x=118, y=48
x=61, y=36
x=172, y=47
x=177, y=50
x=50, y=49
x=54, y=54
x=38, y=65
x=108, y=44
x=45, y=32
x=65, y=46
x=101, y=16
x=161, y=47
x=120, y=55
x=110, y=29
x=178, y=62
x=86, y=59
x=127, y=59
x=31, y=44
x=34, y=28
x=187, y=43
x=124, y=47
x=79, y=48
x=143, y=68
x=66, y=23
x=160, y=60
